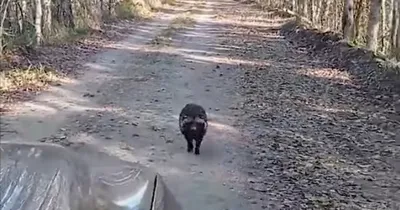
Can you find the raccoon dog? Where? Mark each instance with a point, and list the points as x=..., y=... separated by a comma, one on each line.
x=193, y=125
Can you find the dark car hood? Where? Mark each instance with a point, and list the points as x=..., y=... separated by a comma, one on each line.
x=42, y=176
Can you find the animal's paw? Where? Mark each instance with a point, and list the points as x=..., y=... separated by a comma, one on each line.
x=197, y=151
x=189, y=149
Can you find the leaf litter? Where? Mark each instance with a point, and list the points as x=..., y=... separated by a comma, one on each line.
x=48, y=64
x=319, y=140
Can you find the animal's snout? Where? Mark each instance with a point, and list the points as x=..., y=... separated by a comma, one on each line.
x=193, y=127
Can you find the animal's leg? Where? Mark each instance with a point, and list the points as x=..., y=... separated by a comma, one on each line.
x=198, y=144
x=189, y=143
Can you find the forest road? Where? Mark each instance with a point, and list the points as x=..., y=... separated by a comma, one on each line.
x=128, y=100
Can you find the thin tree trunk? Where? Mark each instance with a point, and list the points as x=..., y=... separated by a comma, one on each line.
x=24, y=9
x=3, y=7
x=348, y=20
x=67, y=15
x=325, y=10
x=110, y=8
x=48, y=15
x=357, y=21
x=18, y=16
x=38, y=22
x=294, y=5
x=21, y=18
x=383, y=25
x=397, y=49
x=7, y=22
x=312, y=12
x=305, y=9
x=395, y=25
x=390, y=25
x=299, y=5
x=373, y=25
x=318, y=11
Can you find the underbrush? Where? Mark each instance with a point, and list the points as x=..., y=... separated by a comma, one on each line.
x=131, y=9
x=25, y=79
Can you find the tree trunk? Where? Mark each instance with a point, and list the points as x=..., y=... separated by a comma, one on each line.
x=7, y=21
x=3, y=8
x=390, y=24
x=48, y=15
x=312, y=12
x=318, y=11
x=395, y=25
x=359, y=12
x=305, y=8
x=18, y=16
x=373, y=25
x=348, y=20
x=38, y=21
x=24, y=8
x=325, y=9
x=110, y=8
x=294, y=5
x=338, y=13
x=383, y=26
x=397, y=49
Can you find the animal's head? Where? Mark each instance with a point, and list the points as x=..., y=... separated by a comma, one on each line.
x=195, y=123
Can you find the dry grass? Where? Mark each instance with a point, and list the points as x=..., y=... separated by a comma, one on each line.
x=131, y=9
x=170, y=2
x=177, y=24
x=30, y=79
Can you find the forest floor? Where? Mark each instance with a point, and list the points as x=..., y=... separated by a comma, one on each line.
x=286, y=130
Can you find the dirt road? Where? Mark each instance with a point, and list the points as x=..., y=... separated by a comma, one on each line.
x=127, y=104
x=128, y=100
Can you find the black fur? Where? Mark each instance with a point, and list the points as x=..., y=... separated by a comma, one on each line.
x=193, y=125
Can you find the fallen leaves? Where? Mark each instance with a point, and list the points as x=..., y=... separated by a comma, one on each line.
x=319, y=140
x=27, y=79
x=27, y=71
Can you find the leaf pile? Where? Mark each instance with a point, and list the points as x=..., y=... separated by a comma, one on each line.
x=319, y=140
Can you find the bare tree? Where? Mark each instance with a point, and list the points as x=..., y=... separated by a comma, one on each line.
x=318, y=10
x=396, y=31
x=348, y=20
x=304, y=8
x=3, y=9
x=38, y=21
x=390, y=23
x=110, y=7
x=373, y=25
x=313, y=10
x=395, y=25
x=294, y=5
x=47, y=16
x=325, y=11
x=359, y=13
x=384, y=26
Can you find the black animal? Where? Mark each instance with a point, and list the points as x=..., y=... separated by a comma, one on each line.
x=193, y=125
